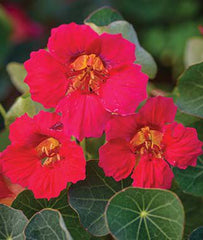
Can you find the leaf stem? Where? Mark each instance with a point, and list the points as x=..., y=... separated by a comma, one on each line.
x=3, y=112
x=83, y=145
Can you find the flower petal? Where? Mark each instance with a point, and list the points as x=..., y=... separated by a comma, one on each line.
x=152, y=173
x=29, y=132
x=23, y=166
x=45, y=78
x=21, y=131
x=83, y=115
x=124, y=90
x=4, y=190
x=70, y=40
x=157, y=111
x=47, y=123
x=115, y=50
x=19, y=163
x=48, y=182
x=121, y=127
x=116, y=159
x=181, y=144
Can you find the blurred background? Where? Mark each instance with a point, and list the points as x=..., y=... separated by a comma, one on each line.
x=163, y=28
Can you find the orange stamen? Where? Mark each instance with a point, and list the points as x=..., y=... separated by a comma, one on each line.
x=48, y=151
x=147, y=141
x=87, y=74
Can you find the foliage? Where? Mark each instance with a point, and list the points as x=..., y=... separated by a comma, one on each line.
x=100, y=207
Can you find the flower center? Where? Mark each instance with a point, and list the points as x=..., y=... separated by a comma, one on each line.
x=87, y=73
x=147, y=141
x=48, y=151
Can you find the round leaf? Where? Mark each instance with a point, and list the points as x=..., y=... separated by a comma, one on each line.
x=197, y=234
x=29, y=205
x=12, y=223
x=23, y=104
x=103, y=16
x=17, y=75
x=194, y=51
x=190, y=180
x=136, y=213
x=89, y=198
x=190, y=90
x=47, y=225
x=193, y=207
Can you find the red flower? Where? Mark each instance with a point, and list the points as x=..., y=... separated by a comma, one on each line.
x=5, y=192
x=23, y=27
x=147, y=143
x=87, y=77
x=8, y=191
x=41, y=157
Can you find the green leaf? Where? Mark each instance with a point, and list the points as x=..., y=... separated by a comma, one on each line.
x=190, y=89
x=4, y=142
x=89, y=198
x=47, y=225
x=92, y=147
x=12, y=223
x=17, y=75
x=193, y=207
x=23, y=104
x=126, y=29
x=193, y=51
x=103, y=16
x=2, y=111
x=29, y=205
x=185, y=119
x=197, y=234
x=190, y=180
x=191, y=121
x=136, y=213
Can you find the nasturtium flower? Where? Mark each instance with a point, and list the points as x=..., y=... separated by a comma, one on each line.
x=4, y=190
x=8, y=191
x=87, y=77
x=41, y=157
x=147, y=144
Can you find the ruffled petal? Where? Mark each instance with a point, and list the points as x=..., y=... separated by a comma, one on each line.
x=19, y=163
x=8, y=191
x=124, y=90
x=115, y=50
x=29, y=132
x=23, y=131
x=23, y=166
x=48, y=123
x=46, y=78
x=152, y=173
x=4, y=190
x=121, y=127
x=157, y=111
x=70, y=40
x=181, y=144
x=48, y=182
x=116, y=159
x=83, y=115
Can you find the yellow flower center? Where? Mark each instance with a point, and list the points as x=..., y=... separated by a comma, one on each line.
x=87, y=74
x=48, y=151
x=147, y=141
